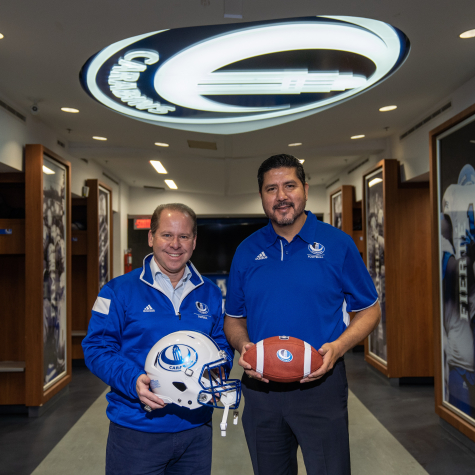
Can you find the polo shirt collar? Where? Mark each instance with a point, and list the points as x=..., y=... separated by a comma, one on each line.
x=307, y=233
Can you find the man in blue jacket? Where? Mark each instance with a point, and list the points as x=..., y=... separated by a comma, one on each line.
x=133, y=312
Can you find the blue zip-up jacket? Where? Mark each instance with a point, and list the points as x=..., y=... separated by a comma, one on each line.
x=130, y=315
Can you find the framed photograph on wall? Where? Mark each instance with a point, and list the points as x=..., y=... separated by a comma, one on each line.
x=374, y=226
x=453, y=251
x=104, y=236
x=54, y=271
x=336, y=211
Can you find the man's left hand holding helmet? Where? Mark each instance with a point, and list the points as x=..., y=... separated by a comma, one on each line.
x=162, y=421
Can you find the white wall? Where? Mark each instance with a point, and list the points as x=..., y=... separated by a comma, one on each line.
x=413, y=151
x=143, y=201
x=15, y=134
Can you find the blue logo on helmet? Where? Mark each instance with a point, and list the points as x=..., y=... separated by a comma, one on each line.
x=177, y=357
x=285, y=356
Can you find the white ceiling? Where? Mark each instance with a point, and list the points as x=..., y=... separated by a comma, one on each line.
x=46, y=43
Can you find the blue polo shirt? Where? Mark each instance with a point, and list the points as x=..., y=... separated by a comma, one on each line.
x=304, y=288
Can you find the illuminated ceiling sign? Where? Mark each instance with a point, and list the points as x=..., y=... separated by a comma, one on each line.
x=237, y=78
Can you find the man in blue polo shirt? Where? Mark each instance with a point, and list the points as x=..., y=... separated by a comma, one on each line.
x=297, y=277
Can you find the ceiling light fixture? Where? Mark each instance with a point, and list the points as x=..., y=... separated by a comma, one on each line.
x=160, y=144
x=301, y=160
x=48, y=171
x=71, y=110
x=1, y=36
x=98, y=138
x=171, y=184
x=296, y=144
x=374, y=182
x=387, y=108
x=158, y=166
x=468, y=34
x=188, y=73
x=357, y=137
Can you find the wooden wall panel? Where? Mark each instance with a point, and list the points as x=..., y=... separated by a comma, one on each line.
x=407, y=232
x=77, y=352
x=358, y=238
x=34, y=276
x=412, y=287
x=12, y=298
x=79, y=297
x=79, y=243
x=13, y=243
x=92, y=244
x=12, y=388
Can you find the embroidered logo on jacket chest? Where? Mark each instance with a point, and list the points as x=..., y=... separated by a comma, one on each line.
x=317, y=250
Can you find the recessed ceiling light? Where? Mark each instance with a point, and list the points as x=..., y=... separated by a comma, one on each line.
x=472, y=141
x=158, y=166
x=357, y=137
x=296, y=144
x=98, y=138
x=387, y=108
x=71, y=110
x=374, y=181
x=468, y=34
x=160, y=144
x=301, y=160
x=48, y=171
x=1, y=36
x=171, y=184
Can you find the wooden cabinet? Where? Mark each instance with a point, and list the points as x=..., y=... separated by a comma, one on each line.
x=396, y=224
x=35, y=279
x=92, y=256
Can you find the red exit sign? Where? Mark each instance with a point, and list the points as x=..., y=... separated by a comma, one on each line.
x=142, y=223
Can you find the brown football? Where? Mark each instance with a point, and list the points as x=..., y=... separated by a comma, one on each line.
x=283, y=359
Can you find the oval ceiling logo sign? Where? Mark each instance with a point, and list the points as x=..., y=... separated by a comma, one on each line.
x=242, y=77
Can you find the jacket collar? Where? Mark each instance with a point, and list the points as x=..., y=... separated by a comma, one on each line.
x=147, y=277
x=307, y=233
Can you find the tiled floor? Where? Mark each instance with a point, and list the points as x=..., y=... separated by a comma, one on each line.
x=392, y=431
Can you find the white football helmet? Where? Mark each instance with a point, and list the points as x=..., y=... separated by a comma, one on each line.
x=187, y=368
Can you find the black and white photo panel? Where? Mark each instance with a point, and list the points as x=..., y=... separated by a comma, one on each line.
x=54, y=271
x=375, y=257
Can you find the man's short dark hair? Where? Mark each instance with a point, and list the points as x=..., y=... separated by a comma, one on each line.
x=280, y=161
x=186, y=210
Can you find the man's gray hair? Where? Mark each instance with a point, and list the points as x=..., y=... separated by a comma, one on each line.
x=186, y=210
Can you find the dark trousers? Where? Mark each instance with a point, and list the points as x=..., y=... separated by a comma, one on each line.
x=278, y=417
x=131, y=452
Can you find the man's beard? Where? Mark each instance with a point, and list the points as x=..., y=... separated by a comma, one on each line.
x=287, y=220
